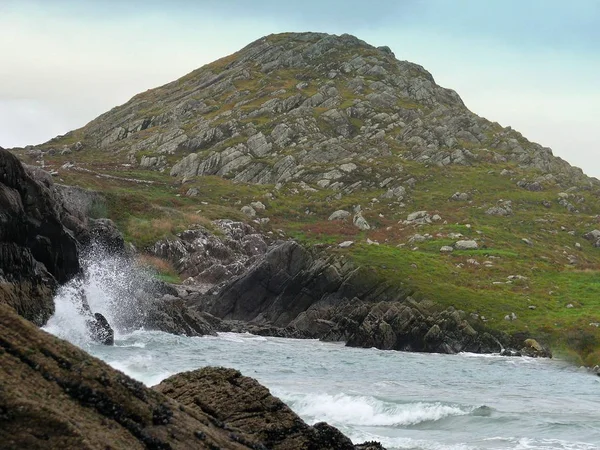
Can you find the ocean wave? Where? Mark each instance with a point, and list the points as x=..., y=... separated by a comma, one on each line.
x=239, y=337
x=543, y=444
x=369, y=411
x=405, y=443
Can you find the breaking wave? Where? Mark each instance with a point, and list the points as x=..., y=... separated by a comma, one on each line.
x=350, y=410
x=112, y=286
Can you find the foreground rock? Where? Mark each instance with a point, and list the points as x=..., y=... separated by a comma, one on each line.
x=36, y=250
x=55, y=396
x=243, y=403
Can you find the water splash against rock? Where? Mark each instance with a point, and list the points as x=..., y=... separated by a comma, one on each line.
x=112, y=285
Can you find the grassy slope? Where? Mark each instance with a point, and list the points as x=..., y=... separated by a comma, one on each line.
x=146, y=213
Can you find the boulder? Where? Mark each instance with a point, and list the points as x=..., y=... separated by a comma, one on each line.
x=360, y=222
x=56, y=396
x=100, y=330
x=339, y=215
x=249, y=211
x=460, y=197
x=466, y=245
x=593, y=235
x=244, y=404
x=534, y=349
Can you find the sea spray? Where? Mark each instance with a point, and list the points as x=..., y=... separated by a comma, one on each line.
x=112, y=285
x=370, y=411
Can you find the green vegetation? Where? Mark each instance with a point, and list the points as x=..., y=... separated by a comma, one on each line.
x=533, y=263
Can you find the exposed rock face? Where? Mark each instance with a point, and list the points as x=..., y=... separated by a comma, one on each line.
x=241, y=402
x=55, y=396
x=308, y=295
x=208, y=260
x=310, y=107
x=36, y=250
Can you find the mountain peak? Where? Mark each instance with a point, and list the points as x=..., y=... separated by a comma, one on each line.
x=291, y=106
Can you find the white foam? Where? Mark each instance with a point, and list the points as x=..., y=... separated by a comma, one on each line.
x=523, y=443
x=109, y=283
x=349, y=410
x=404, y=443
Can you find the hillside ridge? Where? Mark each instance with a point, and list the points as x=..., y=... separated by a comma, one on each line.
x=285, y=103
x=338, y=145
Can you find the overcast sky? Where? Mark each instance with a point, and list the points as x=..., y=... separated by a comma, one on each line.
x=530, y=64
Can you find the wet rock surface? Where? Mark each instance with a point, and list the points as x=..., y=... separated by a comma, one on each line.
x=55, y=396
x=37, y=251
x=241, y=402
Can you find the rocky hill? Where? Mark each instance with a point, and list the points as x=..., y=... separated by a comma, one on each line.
x=342, y=147
x=311, y=108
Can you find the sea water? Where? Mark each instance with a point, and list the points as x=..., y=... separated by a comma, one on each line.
x=404, y=400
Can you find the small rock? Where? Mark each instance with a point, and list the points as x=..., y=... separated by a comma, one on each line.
x=258, y=206
x=527, y=241
x=346, y=244
x=192, y=192
x=340, y=214
x=460, y=197
x=412, y=217
x=249, y=211
x=466, y=245
x=517, y=277
x=446, y=249
x=417, y=238
x=360, y=222
x=570, y=305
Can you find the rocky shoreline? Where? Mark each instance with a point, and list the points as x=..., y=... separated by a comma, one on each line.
x=237, y=279
x=54, y=395
x=257, y=284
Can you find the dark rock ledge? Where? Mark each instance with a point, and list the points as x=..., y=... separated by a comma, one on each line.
x=55, y=396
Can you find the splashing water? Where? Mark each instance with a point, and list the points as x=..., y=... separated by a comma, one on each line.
x=113, y=286
x=404, y=400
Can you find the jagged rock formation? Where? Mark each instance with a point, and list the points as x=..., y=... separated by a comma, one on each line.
x=243, y=403
x=36, y=250
x=205, y=260
x=293, y=292
x=55, y=396
x=309, y=107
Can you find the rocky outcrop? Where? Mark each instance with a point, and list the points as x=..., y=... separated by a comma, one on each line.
x=37, y=251
x=55, y=396
x=308, y=107
x=294, y=292
x=206, y=260
x=241, y=402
